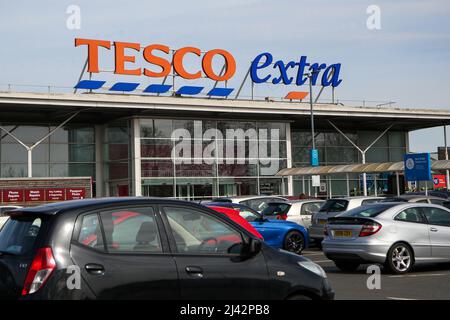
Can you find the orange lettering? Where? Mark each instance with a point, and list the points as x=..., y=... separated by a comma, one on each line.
x=93, y=51
x=161, y=62
x=229, y=62
x=121, y=58
x=178, y=62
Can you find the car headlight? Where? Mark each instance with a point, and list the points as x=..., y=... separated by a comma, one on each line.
x=313, y=267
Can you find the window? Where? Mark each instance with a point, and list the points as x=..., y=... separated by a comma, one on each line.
x=334, y=206
x=131, y=230
x=422, y=201
x=368, y=201
x=438, y=217
x=310, y=208
x=198, y=233
x=247, y=214
x=437, y=201
x=19, y=235
x=91, y=233
x=410, y=215
x=369, y=211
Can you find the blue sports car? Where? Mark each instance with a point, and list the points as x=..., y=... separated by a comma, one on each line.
x=281, y=234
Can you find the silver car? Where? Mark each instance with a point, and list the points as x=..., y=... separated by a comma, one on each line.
x=396, y=235
x=331, y=208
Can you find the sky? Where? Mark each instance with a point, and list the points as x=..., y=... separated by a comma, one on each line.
x=406, y=61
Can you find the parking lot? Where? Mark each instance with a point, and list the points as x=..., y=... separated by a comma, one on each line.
x=424, y=282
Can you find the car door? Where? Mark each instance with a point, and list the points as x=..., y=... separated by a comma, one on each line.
x=123, y=254
x=439, y=228
x=306, y=212
x=208, y=266
x=411, y=226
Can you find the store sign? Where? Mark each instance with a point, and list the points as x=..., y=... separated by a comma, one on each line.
x=75, y=193
x=12, y=195
x=34, y=195
x=55, y=194
x=417, y=167
x=161, y=61
x=439, y=181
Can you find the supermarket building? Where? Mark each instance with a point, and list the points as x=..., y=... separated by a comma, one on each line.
x=124, y=142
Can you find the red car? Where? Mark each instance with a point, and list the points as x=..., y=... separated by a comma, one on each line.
x=236, y=217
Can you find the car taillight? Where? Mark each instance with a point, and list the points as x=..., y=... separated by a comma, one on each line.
x=42, y=266
x=281, y=217
x=369, y=229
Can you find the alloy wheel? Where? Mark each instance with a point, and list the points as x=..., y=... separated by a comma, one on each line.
x=401, y=258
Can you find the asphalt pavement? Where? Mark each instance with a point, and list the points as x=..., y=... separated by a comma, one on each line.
x=427, y=281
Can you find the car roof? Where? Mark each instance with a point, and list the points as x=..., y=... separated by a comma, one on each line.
x=64, y=206
x=243, y=198
x=413, y=196
x=357, y=198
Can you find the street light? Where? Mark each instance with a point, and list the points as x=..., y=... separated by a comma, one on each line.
x=314, y=154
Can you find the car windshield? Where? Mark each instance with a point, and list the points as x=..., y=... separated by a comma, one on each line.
x=334, y=205
x=275, y=209
x=247, y=213
x=367, y=211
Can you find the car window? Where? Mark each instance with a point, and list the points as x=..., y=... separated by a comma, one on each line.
x=256, y=204
x=410, y=215
x=91, y=232
x=436, y=216
x=196, y=232
x=18, y=236
x=276, y=209
x=437, y=201
x=369, y=201
x=310, y=208
x=367, y=211
x=422, y=201
x=247, y=214
x=131, y=230
x=334, y=205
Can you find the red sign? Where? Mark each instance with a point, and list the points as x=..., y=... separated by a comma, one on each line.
x=12, y=195
x=55, y=194
x=75, y=193
x=34, y=195
x=439, y=181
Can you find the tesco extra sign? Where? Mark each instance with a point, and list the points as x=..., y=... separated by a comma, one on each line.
x=263, y=69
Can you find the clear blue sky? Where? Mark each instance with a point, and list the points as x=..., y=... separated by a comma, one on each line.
x=407, y=61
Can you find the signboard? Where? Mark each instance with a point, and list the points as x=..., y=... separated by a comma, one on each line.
x=417, y=167
x=12, y=195
x=34, y=191
x=314, y=156
x=160, y=61
x=315, y=181
x=439, y=181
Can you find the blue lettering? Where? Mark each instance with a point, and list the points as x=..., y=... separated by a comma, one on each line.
x=301, y=78
x=332, y=79
x=283, y=72
x=255, y=67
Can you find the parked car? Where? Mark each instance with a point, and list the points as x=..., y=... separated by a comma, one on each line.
x=236, y=217
x=3, y=216
x=298, y=211
x=435, y=193
x=281, y=234
x=397, y=235
x=145, y=248
x=258, y=203
x=416, y=199
x=331, y=208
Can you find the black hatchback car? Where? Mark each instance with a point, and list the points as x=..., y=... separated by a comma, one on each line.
x=145, y=248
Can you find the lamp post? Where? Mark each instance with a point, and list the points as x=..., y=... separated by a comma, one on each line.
x=314, y=155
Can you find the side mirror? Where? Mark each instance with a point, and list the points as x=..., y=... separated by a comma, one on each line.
x=254, y=247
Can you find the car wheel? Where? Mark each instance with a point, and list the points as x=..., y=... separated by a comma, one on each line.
x=294, y=242
x=299, y=297
x=400, y=258
x=347, y=265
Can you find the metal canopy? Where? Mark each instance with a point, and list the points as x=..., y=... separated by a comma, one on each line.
x=436, y=165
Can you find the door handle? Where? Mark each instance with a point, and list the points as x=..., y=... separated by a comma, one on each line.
x=94, y=268
x=195, y=271
x=433, y=230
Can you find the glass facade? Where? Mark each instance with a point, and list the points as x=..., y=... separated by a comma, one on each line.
x=335, y=149
x=68, y=152
x=194, y=159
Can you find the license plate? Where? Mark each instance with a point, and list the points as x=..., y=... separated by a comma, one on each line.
x=343, y=233
x=322, y=221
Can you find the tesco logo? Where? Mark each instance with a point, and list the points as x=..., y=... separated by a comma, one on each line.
x=148, y=53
